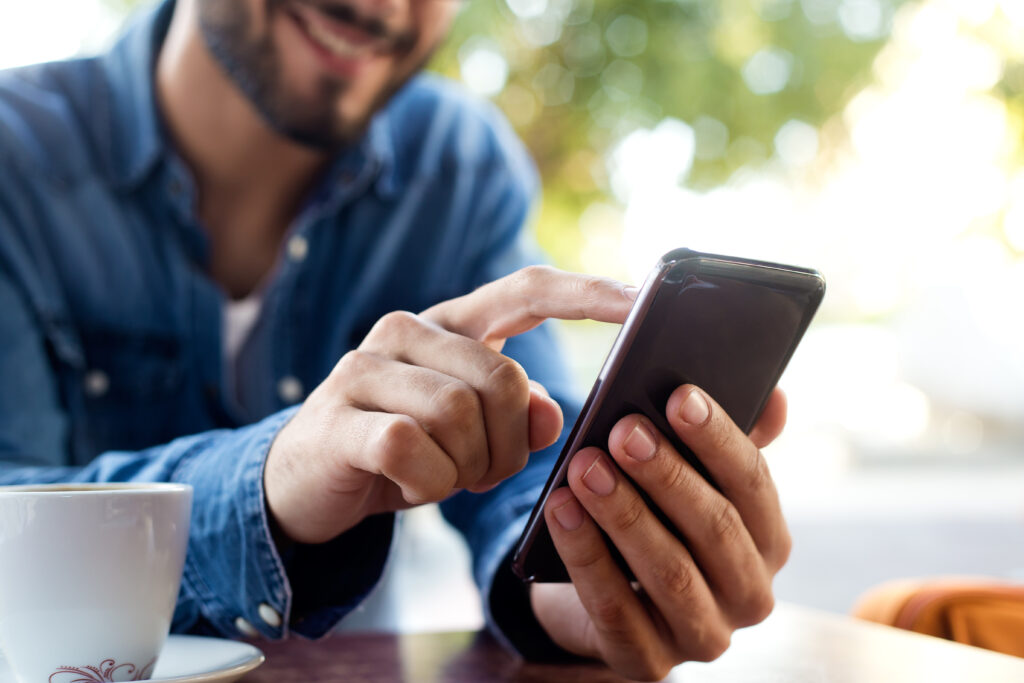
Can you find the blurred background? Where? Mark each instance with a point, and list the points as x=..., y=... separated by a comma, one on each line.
x=879, y=141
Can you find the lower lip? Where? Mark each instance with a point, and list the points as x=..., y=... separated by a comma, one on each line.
x=341, y=66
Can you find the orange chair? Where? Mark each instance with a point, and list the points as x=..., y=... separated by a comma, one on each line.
x=980, y=612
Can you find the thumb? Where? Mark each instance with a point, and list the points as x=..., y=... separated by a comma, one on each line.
x=545, y=416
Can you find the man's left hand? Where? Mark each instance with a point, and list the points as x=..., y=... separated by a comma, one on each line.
x=687, y=600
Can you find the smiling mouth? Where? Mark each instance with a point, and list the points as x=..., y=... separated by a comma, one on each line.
x=341, y=39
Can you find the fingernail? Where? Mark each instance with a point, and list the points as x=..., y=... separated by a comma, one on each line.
x=630, y=292
x=640, y=444
x=694, y=409
x=569, y=515
x=598, y=478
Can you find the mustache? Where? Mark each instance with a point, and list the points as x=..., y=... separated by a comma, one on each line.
x=346, y=13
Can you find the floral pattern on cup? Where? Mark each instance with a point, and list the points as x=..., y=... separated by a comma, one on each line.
x=104, y=673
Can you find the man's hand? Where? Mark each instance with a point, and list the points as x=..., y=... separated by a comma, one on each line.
x=427, y=406
x=688, y=599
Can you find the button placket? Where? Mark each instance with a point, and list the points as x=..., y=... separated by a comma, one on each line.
x=269, y=615
x=297, y=248
x=289, y=389
x=96, y=383
x=245, y=628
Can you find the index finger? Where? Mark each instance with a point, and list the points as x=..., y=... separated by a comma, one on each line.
x=526, y=298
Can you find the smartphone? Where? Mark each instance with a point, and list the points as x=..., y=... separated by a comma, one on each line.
x=728, y=325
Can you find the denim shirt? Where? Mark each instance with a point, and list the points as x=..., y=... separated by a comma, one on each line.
x=110, y=325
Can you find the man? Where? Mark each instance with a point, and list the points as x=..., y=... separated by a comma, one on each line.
x=198, y=225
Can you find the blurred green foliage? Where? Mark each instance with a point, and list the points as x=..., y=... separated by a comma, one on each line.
x=584, y=73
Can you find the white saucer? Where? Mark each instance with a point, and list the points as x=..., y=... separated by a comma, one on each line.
x=194, y=659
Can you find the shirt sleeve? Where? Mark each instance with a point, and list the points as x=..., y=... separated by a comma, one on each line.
x=492, y=522
x=235, y=582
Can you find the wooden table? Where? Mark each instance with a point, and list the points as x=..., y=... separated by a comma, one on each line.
x=795, y=645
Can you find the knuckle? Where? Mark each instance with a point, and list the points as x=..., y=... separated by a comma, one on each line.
x=508, y=381
x=779, y=551
x=533, y=274
x=676, y=578
x=585, y=557
x=431, y=489
x=507, y=395
x=722, y=440
x=528, y=281
x=636, y=657
x=396, y=322
x=414, y=494
x=353, y=363
x=437, y=488
x=630, y=514
x=657, y=671
x=458, y=402
x=713, y=642
x=396, y=441
x=758, y=607
x=758, y=477
x=726, y=527
x=460, y=411
x=590, y=287
x=610, y=617
x=680, y=476
x=752, y=600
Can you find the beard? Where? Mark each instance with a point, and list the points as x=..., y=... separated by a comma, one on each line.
x=251, y=61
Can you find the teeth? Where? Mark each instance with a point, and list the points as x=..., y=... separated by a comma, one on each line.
x=334, y=43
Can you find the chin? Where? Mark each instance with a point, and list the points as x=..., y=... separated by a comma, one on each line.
x=313, y=89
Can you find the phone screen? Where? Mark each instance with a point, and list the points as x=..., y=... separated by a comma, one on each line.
x=726, y=325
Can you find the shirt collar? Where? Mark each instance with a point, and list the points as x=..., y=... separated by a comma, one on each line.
x=137, y=138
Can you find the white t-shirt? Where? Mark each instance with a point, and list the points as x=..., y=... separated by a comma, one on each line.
x=239, y=318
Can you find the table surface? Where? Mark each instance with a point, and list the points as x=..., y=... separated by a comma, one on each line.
x=794, y=645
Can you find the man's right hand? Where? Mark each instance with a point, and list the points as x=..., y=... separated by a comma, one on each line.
x=427, y=406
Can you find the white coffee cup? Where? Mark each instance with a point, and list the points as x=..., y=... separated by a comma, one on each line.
x=89, y=577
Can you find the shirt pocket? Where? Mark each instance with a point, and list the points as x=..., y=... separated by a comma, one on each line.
x=130, y=385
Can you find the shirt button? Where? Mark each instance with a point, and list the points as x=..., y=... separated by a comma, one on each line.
x=96, y=383
x=298, y=248
x=269, y=615
x=245, y=628
x=289, y=389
